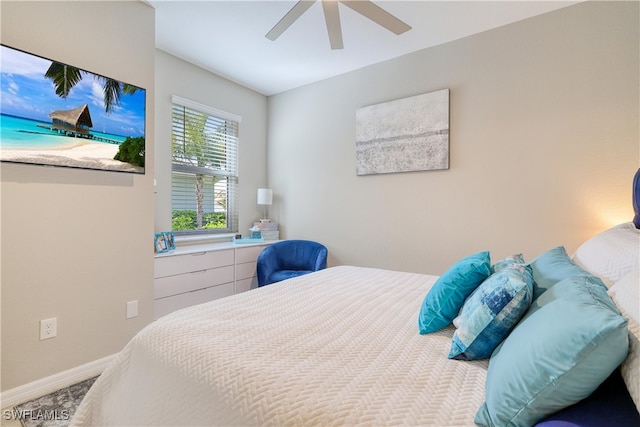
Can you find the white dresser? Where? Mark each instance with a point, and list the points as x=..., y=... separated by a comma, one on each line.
x=198, y=273
x=245, y=267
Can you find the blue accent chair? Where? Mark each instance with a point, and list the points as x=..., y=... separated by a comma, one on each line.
x=290, y=258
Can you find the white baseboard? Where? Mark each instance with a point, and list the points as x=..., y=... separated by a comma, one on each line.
x=47, y=385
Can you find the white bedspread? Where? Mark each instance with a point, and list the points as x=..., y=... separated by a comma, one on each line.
x=336, y=347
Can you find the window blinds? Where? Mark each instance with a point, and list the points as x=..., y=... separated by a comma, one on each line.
x=204, y=163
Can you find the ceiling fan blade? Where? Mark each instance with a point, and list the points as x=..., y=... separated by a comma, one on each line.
x=288, y=19
x=378, y=15
x=332, y=18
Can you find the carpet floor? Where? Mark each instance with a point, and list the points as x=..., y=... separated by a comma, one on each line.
x=55, y=409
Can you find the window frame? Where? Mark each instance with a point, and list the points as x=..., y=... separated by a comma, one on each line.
x=231, y=176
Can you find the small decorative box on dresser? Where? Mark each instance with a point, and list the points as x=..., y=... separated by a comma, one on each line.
x=198, y=273
x=269, y=229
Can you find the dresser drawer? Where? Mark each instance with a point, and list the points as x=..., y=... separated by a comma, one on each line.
x=172, y=285
x=243, y=285
x=246, y=270
x=178, y=264
x=248, y=254
x=167, y=305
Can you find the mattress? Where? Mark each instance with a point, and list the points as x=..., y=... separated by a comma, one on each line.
x=335, y=347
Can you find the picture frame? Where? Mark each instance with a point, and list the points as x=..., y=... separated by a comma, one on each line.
x=164, y=242
x=404, y=135
x=160, y=243
x=171, y=240
x=60, y=116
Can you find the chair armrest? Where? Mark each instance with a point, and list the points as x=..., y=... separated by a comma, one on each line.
x=267, y=263
x=321, y=259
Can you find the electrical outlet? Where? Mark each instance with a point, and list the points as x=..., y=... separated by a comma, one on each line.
x=132, y=309
x=48, y=328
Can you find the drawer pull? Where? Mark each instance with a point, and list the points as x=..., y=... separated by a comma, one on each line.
x=198, y=272
x=199, y=253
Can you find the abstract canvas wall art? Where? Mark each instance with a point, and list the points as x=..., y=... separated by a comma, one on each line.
x=404, y=135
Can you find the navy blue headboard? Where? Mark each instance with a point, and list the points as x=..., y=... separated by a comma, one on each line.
x=636, y=199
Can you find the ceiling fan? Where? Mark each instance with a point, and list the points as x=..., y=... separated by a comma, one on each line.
x=332, y=18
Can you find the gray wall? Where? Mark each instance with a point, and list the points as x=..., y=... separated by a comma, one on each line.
x=544, y=142
x=177, y=77
x=77, y=244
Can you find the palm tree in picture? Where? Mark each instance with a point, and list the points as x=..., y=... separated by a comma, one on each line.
x=65, y=77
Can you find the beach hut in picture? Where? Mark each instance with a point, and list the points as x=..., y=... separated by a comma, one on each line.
x=76, y=122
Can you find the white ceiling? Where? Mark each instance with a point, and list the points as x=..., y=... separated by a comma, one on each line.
x=228, y=37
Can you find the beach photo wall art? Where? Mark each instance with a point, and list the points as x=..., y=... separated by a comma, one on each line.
x=56, y=114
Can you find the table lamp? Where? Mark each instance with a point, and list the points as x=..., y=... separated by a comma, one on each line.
x=265, y=198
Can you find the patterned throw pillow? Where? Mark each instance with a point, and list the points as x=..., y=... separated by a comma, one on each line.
x=505, y=262
x=491, y=311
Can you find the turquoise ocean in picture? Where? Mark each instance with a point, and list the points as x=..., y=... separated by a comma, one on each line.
x=17, y=133
x=55, y=114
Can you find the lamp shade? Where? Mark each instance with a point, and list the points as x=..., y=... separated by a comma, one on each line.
x=265, y=196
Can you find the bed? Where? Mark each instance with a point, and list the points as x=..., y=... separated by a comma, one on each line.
x=343, y=346
x=336, y=347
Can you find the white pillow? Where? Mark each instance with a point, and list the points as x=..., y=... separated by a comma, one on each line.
x=611, y=254
x=625, y=294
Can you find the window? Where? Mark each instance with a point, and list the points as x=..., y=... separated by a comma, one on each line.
x=204, y=172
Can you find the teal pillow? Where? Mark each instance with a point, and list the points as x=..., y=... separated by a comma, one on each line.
x=551, y=267
x=442, y=303
x=568, y=343
x=491, y=311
